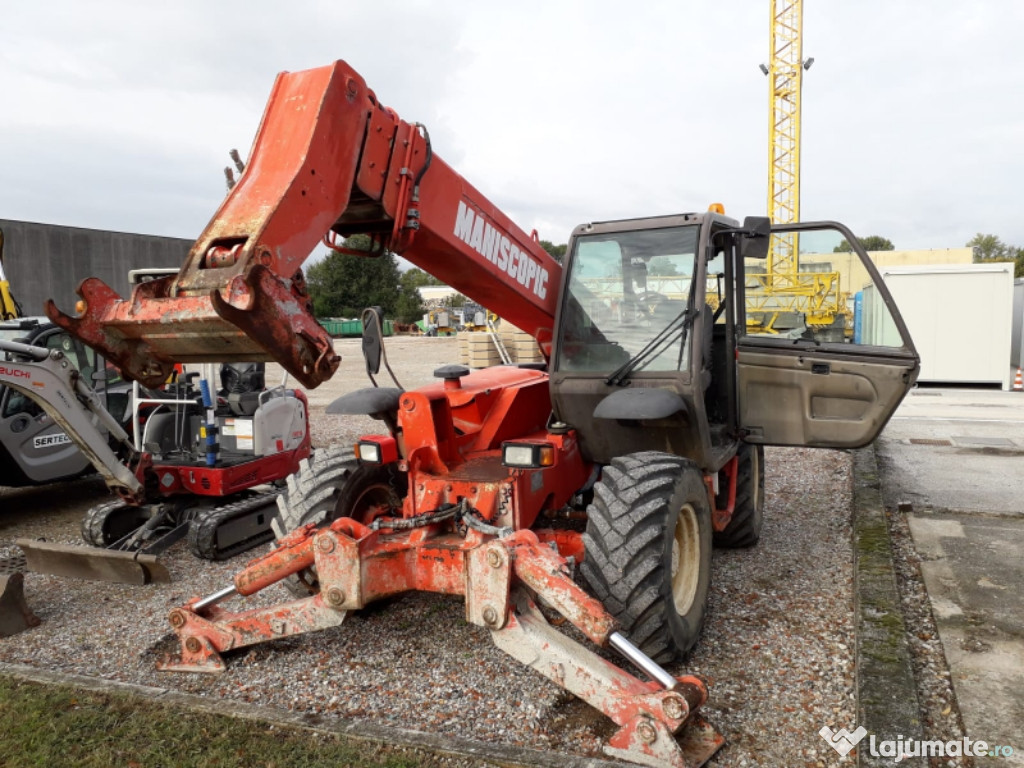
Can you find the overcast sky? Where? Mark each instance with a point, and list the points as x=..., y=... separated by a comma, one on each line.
x=119, y=115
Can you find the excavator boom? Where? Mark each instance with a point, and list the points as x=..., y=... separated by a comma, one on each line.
x=327, y=158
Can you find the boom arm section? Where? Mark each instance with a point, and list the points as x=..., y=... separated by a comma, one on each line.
x=327, y=157
x=47, y=377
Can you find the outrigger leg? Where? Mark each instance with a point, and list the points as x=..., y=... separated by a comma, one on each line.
x=502, y=578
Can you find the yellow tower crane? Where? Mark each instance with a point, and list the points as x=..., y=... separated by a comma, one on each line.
x=783, y=287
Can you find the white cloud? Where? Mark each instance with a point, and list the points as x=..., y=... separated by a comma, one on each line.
x=119, y=115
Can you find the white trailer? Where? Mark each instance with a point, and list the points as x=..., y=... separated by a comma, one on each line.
x=959, y=315
x=1017, y=344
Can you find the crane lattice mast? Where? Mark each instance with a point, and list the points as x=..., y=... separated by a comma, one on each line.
x=782, y=287
x=785, y=79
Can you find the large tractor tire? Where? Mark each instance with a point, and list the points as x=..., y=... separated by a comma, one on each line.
x=744, y=530
x=330, y=484
x=648, y=550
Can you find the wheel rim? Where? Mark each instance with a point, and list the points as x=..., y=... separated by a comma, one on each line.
x=373, y=502
x=685, y=560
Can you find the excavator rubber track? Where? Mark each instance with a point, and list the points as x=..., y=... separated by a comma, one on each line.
x=97, y=525
x=216, y=533
x=230, y=529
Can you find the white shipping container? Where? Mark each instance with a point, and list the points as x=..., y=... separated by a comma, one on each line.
x=960, y=317
x=1017, y=344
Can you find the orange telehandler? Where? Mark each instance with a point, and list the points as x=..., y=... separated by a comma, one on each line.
x=635, y=447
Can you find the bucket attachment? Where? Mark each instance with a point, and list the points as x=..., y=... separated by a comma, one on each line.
x=93, y=563
x=151, y=331
x=15, y=615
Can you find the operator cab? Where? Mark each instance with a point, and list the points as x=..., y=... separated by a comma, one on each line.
x=689, y=333
x=633, y=350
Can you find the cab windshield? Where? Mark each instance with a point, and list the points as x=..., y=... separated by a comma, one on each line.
x=626, y=288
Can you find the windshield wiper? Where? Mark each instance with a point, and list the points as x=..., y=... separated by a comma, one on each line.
x=674, y=332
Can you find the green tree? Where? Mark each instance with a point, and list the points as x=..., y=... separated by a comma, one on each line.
x=455, y=301
x=869, y=243
x=557, y=251
x=1018, y=263
x=409, y=308
x=343, y=285
x=662, y=266
x=991, y=248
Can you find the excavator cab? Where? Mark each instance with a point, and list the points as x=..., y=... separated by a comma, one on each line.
x=672, y=336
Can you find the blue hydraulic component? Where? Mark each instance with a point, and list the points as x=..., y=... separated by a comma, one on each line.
x=858, y=317
x=210, y=428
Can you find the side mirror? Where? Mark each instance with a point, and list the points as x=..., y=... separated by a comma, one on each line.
x=756, y=238
x=372, y=341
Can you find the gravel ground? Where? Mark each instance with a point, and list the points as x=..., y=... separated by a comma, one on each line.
x=777, y=648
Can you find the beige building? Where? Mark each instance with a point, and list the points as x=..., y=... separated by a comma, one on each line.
x=853, y=276
x=435, y=295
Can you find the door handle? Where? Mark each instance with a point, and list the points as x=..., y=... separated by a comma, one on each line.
x=823, y=368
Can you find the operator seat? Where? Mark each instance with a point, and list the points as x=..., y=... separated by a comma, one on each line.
x=241, y=384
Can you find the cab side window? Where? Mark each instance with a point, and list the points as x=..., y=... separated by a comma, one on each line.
x=813, y=287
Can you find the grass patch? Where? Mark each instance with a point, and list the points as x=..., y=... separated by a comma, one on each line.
x=43, y=726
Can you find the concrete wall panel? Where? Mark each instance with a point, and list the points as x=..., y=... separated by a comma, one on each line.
x=49, y=261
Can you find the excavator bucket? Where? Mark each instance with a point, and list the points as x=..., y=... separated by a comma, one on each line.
x=93, y=563
x=241, y=295
x=15, y=615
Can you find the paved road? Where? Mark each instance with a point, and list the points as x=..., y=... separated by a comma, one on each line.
x=957, y=457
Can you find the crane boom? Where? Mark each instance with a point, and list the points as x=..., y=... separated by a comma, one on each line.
x=328, y=157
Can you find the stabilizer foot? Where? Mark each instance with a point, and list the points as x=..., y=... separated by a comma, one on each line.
x=197, y=655
x=646, y=741
x=659, y=726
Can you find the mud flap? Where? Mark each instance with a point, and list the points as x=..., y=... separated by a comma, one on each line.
x=93, y=563
x=15, y=615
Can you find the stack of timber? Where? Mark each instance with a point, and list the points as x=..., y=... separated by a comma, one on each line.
x=477, y=349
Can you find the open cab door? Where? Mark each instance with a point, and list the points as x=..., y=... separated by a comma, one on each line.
x=823, y=356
